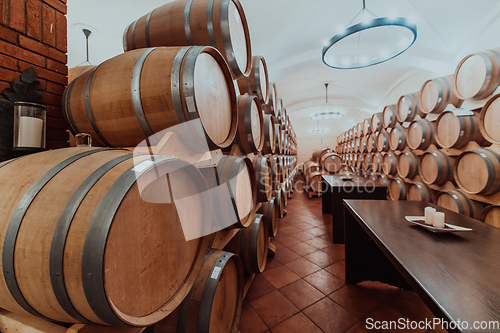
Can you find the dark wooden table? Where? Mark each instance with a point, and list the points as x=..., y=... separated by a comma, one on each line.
x=334, y=190
x=457, y=275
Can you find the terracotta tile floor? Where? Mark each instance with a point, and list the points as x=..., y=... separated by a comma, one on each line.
x=303, y=290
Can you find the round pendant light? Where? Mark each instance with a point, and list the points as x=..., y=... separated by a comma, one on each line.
x=371, y=42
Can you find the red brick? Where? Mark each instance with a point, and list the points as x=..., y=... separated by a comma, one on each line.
x=56, y=144
x=4, y=85
x=52, y=99
x=53, y=122
x=8, y=75
x=3, y=12
x=18, y=15
x=55, y=88
x=61, y=32
x=48, y=25
x=54, y=111
x=42, y=49
x=57, y=67
x=34, y=16
x=58, y=5
x=8, y=62
x=58, y=55
x=45, y=73
x=8, y=34
x=54, y=134
x=21, y=54
x=43, y=84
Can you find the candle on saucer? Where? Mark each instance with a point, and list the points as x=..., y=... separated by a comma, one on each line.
x=438, y=220
x=429, y=215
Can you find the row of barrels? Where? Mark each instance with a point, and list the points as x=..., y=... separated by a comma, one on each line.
x=475, y=172
x=476, y=78
x=322, y=161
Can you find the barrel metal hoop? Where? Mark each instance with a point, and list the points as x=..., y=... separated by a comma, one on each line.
x=132, y=35
x=188, y=82
x=176, y=84
x=125, y=38
x=461, y=208
x=248, y=124
x=210, y=23
x=489, y=71
x=61, y=232
x=497, y=55
x=254, y=260
x=226, y=38
x=187, y=22
x=136, y=93
x=233, y=173
x=146, y=28
x=490, y=167
x=256, y=66
x=472, y=128
x=95, y=244
x=66, y=108
x=88, y=108
x=10, y=161
x=9, y=245
x=206, y=301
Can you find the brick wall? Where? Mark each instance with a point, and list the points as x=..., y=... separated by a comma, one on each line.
x=33, y=33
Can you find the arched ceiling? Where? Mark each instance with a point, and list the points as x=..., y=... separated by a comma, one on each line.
x=290, y=34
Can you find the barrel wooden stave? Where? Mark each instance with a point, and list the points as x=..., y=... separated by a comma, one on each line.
x=436, y=167
x=457, y=131
x=408, y=165
x=421, y=134
x=389, y=116
x=398, y=189
x=270, y=211
x=257, y=81
x=421, y=192
x=390, y=164
x=251, y=132
x=478, y=171
x=437, y=94
x=397, y=140
x=331, y=162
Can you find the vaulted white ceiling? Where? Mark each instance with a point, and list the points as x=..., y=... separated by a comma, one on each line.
x=290, y=34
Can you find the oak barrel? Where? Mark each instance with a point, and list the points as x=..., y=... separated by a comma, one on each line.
x=257, y=82
x=377, y=162
x=390, y=164
x=221, y=24
x=408, y=108
x=331, y=162
x=478, y=75
x=397, y=140
x=371, y=143
x=363, y=145
x=132, y=96
x=408, y=165
x=279, y=201
x=90, y=237
x=436, y=167
x=421, y=192
x=360, y=163
x=269, y=147
x=389, y=116
x=313, y=182
x=437, y=94
x=383, y=180
x=215, y=302
x=420, y=134
x=457, y=201
x=250, y=134
x=251, y=244
x=263, y=177
x=454, y=131
x=368, y=161
x=398, y=189
x=270, y=211
x=317, y=155
x=376, y=123
x=489, y=120
x=383, y=139
x=360, y=130
x=478, y=171
x=272, y=105
x=491, y=215
x=367, y=126
x=75, y=72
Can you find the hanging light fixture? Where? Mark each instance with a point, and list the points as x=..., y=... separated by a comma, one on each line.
x=328, y=111
x=372, y=41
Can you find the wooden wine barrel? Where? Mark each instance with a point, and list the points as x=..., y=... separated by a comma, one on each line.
x=491, y=215
x=75, y=72
x=389, y=116
x=284, y=196
x=263, y=177
x=437, y=94
x=331, y=162
x=478, y=171
x=317, y=155
x=357, y=144
x=270, y=211
x=277, y=134
x=284, y=142
x=398, y=189
x=384, y=180
x=272, y=105
x=251, y=245
x=367, y=162
x=489, y=120
x=371, y=143
x=408, y=165
x=279, y=112
x=215, y=302
x=383, y=139
x=390, y=164
x=130, y=97
x=360, y=130
x=310, y=167
x=377, y=162
x=77, y=246
x=279, y=202
x=436, y=167
x=313, y=182
x=397, y=140
x=360, y=164
x=355, y=132
x=420, y=134
x=367, y=126
x=269, y=147
x=457, y=131
x=372, y=176
x=478, y=75
x=457, y=201
x=250, y=134
x=408, y=108
x=257, y=82
x=363, y=145
x=221, y=24
x=421, y=192
x=277, y=172
x=376, y=124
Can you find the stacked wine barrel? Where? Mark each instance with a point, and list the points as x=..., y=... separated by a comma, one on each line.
x=110, y=237
x=324, y=161
x=441, y=144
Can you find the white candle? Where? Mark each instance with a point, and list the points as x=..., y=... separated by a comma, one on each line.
x=30, y=132
x=429, y=215
x=439, y=220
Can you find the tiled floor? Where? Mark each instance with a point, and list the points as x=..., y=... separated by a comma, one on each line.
x=303, y=290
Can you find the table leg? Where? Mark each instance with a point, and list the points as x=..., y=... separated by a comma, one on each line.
x=326, y=200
